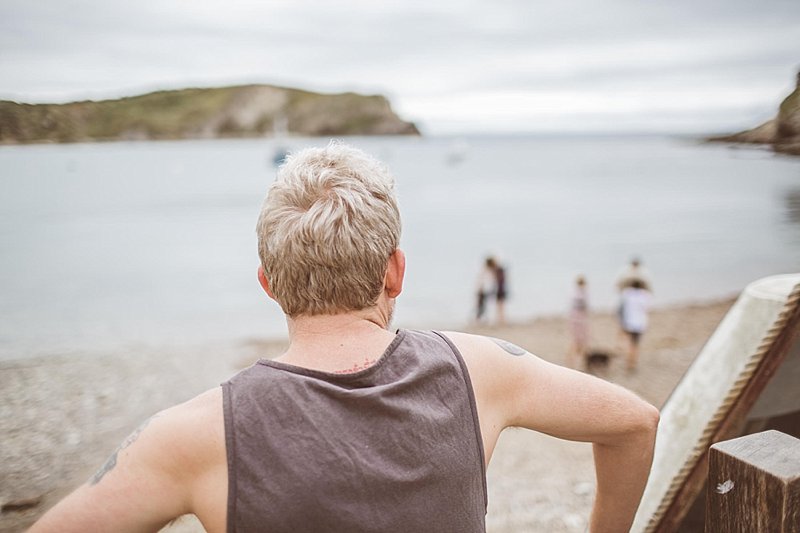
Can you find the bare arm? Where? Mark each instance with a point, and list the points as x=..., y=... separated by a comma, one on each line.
x=516, y=388
x=164, y=469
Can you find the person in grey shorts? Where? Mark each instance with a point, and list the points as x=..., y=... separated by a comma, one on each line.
x=356, y=427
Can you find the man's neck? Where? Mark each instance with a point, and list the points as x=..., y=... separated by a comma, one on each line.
x=343, y=343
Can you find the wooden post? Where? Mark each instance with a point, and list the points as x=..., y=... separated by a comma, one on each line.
x=754, y=485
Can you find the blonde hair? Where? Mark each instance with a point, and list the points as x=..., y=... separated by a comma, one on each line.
x=326, y=230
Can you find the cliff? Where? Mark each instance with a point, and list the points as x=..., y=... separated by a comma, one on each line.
x=243, y=111
x=782, y=133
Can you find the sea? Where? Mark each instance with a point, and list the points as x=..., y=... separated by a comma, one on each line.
x=107, y=247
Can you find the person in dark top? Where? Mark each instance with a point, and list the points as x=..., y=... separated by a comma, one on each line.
x=492, y=283
x=356, y=427
x=487, y=286
x=501, y=292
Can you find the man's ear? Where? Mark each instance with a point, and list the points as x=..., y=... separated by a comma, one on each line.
x=262, y=279
x=395, y=273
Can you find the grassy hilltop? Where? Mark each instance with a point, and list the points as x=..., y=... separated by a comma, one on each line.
x=242, y=111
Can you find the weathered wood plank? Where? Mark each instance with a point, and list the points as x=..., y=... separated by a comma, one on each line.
x=754, y=485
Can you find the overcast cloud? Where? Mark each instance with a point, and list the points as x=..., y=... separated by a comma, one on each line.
x=451, y=66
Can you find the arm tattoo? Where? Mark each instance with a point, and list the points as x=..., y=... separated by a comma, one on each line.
x=111, y=462
x=513, y=349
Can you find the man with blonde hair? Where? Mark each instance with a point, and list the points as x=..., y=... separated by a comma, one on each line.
x=356, y=427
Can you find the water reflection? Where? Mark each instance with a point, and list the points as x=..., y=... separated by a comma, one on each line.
x=791, y=200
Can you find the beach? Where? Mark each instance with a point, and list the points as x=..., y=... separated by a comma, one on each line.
x=61, y=416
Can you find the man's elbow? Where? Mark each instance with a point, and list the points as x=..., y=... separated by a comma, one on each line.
x=634, y=426
x=639, y=424
x=646, y=421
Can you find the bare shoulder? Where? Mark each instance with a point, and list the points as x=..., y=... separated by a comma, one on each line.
x=193, y=437
x=203, y=409
x=496, y=368
x=488, y=358
x=471, y=345
x=176, y=442
x=170, y=465
x=193, y=432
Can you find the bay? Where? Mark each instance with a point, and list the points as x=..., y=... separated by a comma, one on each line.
x=122, y=245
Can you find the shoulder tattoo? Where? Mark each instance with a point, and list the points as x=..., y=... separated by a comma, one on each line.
x=513, y=349
x=111, y=462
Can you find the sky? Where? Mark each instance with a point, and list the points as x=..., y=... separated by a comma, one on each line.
x=452, y=67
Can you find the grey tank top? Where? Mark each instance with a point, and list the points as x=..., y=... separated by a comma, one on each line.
x=393, y=448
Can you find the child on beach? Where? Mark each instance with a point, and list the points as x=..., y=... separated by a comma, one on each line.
x=578, y=324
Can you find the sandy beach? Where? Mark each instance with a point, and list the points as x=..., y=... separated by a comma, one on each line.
x=61, y=416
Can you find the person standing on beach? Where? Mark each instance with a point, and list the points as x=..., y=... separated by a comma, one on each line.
x=487, y=282
x=635, y=306
x=492, y=282
x=356, y=427
x=578, y=323
x=501, y=293
x=633, y=272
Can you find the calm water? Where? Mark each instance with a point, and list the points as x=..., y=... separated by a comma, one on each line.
x=114, y=246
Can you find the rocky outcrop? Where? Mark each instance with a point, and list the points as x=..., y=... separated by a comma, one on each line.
x=242, y=111
x=787, y=138
x=782, y=133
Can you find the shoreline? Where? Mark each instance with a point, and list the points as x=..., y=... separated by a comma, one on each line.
x=61, y=416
